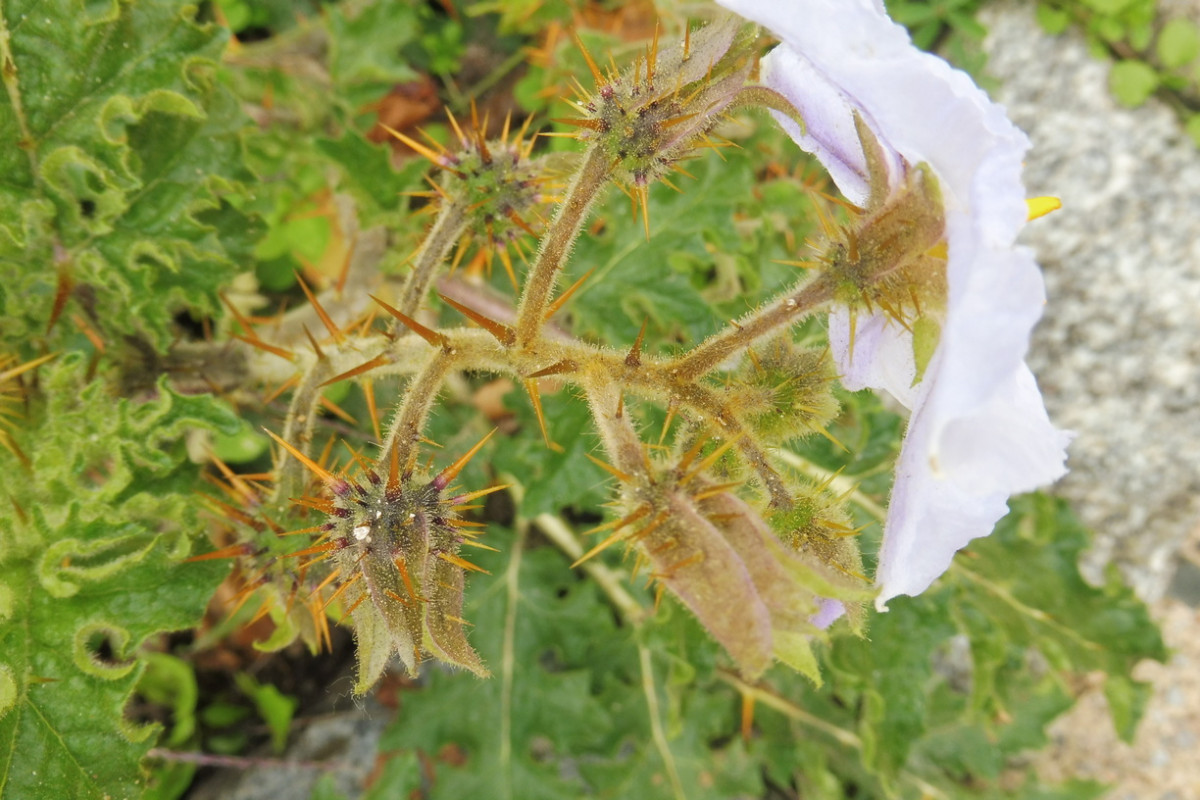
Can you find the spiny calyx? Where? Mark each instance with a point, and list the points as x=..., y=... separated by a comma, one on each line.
x=660, y=109
x=396, y=542
x=784, y=390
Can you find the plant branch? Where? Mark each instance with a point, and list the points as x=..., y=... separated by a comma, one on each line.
x=447, y=228
x=560, y=235
x=784, y=311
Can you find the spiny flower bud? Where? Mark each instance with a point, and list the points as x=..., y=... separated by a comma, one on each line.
x=818, y=526
x=786, y=390
x=396, y=542
x=760, y=598
x=660, y=109
x=893, y=257
x=495, y=185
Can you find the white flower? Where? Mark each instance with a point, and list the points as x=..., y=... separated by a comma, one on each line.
x=979, y=430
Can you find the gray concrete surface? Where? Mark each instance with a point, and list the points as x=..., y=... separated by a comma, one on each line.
x=1118, y=352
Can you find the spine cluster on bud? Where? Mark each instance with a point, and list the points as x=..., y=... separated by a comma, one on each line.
x=756, y=554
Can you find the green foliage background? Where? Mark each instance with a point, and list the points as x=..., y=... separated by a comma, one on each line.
x=136, y=186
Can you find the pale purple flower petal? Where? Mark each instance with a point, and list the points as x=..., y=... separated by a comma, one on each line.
x=979, y=431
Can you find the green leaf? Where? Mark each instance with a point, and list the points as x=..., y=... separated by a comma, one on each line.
x=366, y=39
x=1127, y=701
x=276, y=708
x=553, y=479
x=401, y=777
x=1178, y=43
x=566, y=715
x=1053, y=20
x=1132, y=82
x=90, y=555
x=126, y=149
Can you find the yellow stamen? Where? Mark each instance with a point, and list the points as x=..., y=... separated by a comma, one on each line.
x=1041, y=206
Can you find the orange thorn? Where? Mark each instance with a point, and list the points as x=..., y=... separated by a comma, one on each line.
x=283, y=387
x=245, y=323
x=316, y=548
x=402, y=601
x=326, y=320
x=313, y=467
x=650, y=528
x=604, y=545
x=433, y=157
x=286, y=355
x=62, y=293
x=316, y=347
x=634, y=358
x=368, y=388
x=711, y=459
x=337, y=592
x=450, y=558
x=596, y=76
x=713, y=491
x=356, y=604
x=336, y=410
x=298, y=531
x=393, y=481
x=747, y=715
x=87, y=331
x=464, y=523
x=377, y=361
x=553, y=308
x=457, y=130
x=504, y=334
x=624, y=477
x=407, y=579
x=21, y=369
x=466, y=498
x=433, y=337
x=535, y=397
x=580, y=122
x=557, y=368
x=443, y=478
x=520, y=223
x=344, y=272
x=667, y=424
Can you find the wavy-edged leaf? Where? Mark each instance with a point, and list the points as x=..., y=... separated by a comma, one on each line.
x=118, y=148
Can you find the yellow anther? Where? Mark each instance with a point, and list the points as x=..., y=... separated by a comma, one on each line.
x=1041, y=206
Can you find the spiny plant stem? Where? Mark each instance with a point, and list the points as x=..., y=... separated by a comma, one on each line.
x=779, y=314
x=419, y=397
x=290, y=474
x=612, y=420
x=447, y=228
x=560, y=235
x=708, y=403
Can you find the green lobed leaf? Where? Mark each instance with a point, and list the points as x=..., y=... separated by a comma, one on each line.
x=90, y=554
x=118, y=150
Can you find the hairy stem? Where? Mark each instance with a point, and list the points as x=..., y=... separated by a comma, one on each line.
x=556, y=244
x=290, y=474
x=447, y=228
x=784, y=311
x=419, y=397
